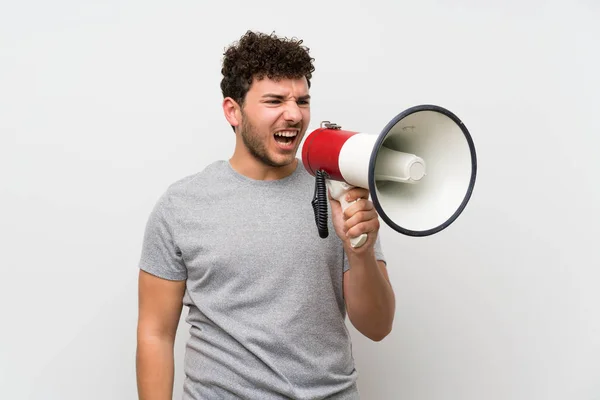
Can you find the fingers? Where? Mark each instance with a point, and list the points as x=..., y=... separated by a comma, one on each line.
x=356, y=193
x=361, y=222
x=360, y=217
x=357, y=205
x=358, y=214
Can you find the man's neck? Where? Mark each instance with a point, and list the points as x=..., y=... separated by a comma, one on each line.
x=254, y=169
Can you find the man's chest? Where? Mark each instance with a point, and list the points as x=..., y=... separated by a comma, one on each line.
x=266, y=235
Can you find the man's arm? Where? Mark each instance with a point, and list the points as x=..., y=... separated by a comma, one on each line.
x=369, y=296
x=370, y=299
x=160, y=305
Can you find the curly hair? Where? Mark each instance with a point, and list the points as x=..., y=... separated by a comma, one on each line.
x=259, y=55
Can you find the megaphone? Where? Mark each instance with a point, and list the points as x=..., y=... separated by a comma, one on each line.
x=420, y=170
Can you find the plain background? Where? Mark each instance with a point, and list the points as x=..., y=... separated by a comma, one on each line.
x=103, y=104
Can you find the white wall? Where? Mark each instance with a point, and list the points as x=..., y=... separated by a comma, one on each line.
x=105, y=103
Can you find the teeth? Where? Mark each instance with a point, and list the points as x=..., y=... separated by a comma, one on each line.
x=286, y=133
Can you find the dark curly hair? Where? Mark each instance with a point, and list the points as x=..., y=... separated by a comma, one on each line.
x=259, y=55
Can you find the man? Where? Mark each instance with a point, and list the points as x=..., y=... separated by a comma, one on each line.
x=237, y=244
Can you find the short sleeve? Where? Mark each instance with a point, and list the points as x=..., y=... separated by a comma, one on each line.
x=378, y=253
x=160, y=254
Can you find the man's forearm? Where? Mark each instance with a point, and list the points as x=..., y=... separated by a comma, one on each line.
x=369, y=296
x=155, y=369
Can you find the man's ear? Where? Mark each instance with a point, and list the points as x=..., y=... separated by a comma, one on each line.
x=232, y=111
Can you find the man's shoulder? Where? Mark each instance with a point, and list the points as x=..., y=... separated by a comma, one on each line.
x=190, y=186
x=211, y=172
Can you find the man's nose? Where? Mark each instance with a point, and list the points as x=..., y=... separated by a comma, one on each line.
x=292, y=112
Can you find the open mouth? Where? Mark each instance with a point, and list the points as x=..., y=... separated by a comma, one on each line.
x=285, y=138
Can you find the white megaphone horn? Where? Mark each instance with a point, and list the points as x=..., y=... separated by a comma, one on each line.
x=420, y=170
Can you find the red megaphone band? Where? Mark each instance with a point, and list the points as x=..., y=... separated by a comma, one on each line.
x=321, y=151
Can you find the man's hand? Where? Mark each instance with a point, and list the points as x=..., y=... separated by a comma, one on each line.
x=360, y=217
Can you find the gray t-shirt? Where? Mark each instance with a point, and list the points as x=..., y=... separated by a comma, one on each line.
x=264, y=291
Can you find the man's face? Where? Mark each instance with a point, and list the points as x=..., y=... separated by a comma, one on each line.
x=275, y=117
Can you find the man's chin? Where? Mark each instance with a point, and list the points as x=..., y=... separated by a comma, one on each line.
x=282, y=162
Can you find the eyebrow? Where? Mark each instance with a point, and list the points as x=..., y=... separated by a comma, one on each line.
x=280, y=97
